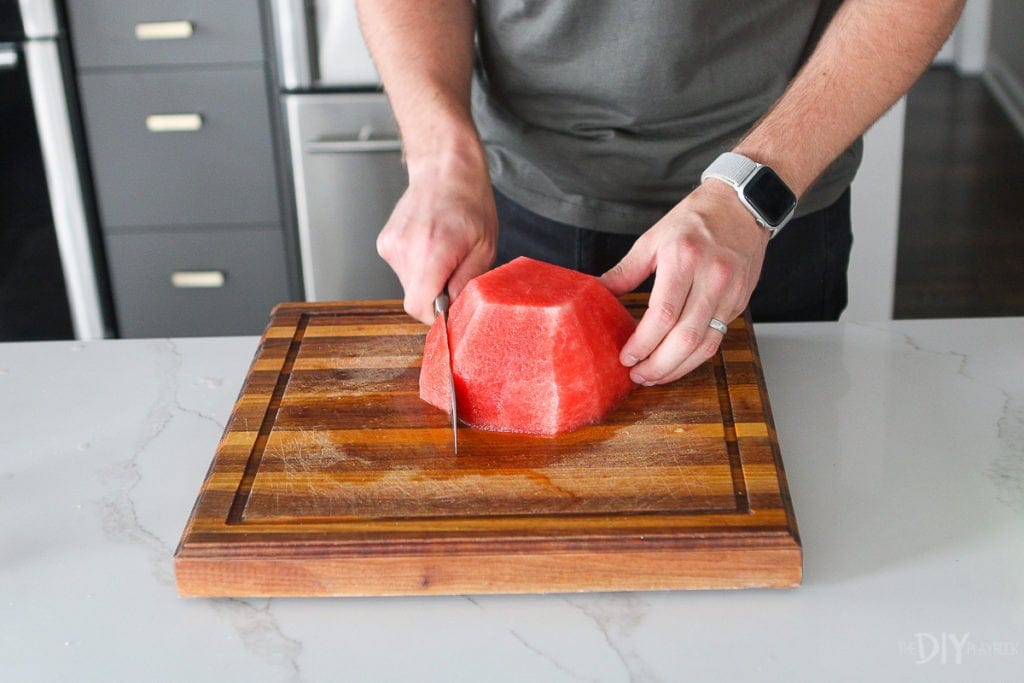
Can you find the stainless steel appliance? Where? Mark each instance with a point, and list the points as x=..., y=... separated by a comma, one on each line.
x=48, y=255
x=344, y=147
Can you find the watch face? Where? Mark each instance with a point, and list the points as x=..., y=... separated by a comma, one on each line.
x=770, y=196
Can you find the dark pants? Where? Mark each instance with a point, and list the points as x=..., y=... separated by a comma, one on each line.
x=803, y=277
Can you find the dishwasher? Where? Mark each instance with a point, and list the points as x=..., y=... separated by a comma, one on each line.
x=344, y=149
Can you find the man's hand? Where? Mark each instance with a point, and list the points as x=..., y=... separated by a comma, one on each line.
x=706, y=256
x=444, y=228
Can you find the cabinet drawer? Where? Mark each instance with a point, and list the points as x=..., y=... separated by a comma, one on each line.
x=164, y=32
x=172, y=283
x=173, y=147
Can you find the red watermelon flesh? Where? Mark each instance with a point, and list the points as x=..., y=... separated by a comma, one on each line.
x=535, y=349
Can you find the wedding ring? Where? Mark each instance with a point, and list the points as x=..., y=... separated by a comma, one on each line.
x=717, y=324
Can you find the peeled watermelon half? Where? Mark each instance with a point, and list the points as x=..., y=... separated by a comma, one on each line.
x=535, y=350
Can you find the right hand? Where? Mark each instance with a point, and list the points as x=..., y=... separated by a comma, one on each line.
x=444, y=229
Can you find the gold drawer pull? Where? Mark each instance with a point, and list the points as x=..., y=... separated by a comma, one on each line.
x=197, y=279
x=163, y=30
x=8, y=57
x=174, y=123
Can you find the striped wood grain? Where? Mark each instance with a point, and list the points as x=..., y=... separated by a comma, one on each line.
x=334, y=478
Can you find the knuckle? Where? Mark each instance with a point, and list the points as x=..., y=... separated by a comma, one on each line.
x=689, y=338
x=617, y=272
x=415, y=306
x=384, y=247
x=654, y=370
x=666, y=313
x=709, y=347
x=742, y=287
x=455, y=222
x=686, y=249
x=719, y=273
x=490, y=250
x=674, y=375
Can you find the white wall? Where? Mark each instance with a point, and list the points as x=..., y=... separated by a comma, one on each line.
x=1004, y=70
x=876, y=190
x=875, y=211
x=967, y=48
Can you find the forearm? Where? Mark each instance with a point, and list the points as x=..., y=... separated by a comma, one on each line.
x=423, y=50
x=868, y=57
x=443, y=231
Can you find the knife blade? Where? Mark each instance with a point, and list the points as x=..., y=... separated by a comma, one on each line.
x=441, y=305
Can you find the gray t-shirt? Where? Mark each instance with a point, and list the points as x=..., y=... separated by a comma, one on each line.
x=603, y=113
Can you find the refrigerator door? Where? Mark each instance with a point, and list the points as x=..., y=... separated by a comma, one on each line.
x=320, y=46
x=343, y=58
x=348, y=174
x=50, y=101
x=39, y=18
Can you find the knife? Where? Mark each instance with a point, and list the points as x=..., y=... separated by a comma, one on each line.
x=441, y=304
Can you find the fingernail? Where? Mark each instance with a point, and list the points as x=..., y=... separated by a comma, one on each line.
x=638, y=379
x=629, y=361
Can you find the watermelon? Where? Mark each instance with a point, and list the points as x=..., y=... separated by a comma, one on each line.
x=534, y=349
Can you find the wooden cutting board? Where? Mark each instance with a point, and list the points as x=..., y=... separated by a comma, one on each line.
x=334, y=478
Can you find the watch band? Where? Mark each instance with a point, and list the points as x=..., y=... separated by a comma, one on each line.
x=737, y=170
x=732, y=168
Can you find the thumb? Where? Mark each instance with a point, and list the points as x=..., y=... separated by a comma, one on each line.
x=469, y=268
x=633, y=269
x=478, y=262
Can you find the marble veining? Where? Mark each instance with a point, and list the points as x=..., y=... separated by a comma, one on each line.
x=120, y=517
x=1005, y=471
x=261, y=634
x=617, y=617
x=903, y=442
x=254, y=620
x=551, y=660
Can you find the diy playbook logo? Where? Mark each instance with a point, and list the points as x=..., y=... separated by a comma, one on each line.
x=954, y=648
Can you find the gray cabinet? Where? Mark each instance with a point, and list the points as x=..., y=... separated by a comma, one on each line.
x=210, y=282
x=182, y=146
x=132, y=33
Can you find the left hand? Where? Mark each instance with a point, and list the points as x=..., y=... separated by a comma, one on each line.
x=706, y=256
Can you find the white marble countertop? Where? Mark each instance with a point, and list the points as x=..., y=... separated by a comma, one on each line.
x=903, y=444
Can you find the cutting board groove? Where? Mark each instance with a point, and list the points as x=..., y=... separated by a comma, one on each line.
x=729, y=434
x=253, y=463
x=334, y=478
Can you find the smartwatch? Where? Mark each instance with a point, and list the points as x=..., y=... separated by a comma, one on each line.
x=759, y=188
